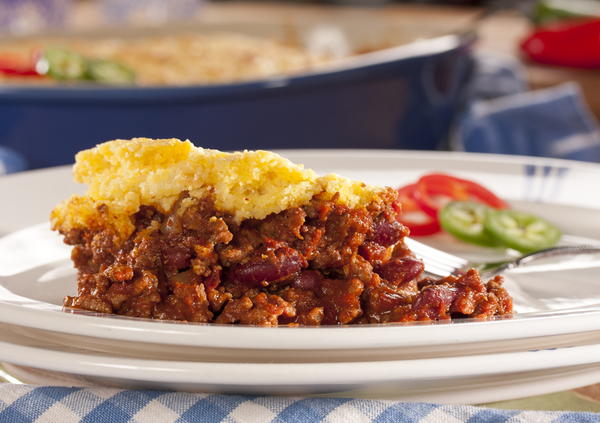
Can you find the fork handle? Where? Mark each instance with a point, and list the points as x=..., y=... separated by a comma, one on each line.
x=549, y=252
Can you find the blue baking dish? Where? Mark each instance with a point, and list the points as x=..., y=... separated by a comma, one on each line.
x=401, y=97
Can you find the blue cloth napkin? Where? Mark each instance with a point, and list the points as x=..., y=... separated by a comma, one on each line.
x=23, y=403
x=504, y=118
x=11, y=161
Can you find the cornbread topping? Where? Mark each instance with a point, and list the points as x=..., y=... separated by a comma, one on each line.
x=125, y=174
x=174, y=232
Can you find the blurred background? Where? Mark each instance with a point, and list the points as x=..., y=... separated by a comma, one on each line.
x=509, y=77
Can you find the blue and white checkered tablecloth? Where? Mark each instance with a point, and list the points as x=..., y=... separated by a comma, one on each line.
x=23, y=403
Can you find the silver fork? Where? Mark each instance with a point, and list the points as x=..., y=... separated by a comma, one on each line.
x=439, y=263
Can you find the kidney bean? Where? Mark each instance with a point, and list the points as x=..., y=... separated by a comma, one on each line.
x=434, y=302
x=386, y=233
x=399, y=271
x=307, y=280
x=213, y=280
x=268, y=268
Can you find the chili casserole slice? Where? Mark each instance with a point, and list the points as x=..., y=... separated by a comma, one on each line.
x=170, y=231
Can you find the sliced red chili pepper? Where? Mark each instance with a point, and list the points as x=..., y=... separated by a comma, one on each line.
x=12, y=64
x=484, y=195
x=433, y=191
x=419, y=223
x=571, y=43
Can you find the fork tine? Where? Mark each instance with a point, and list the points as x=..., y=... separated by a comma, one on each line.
x=436, y=262
x=440, y=271
x=444, y=260
x=436, y=271
x=439, y=265
x=432, y=261
x=434, y=253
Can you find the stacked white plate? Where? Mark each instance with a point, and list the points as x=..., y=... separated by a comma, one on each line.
x=552, y=343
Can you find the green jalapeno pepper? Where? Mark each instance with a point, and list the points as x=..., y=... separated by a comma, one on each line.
x=108, y=72
x=64, y=64
x=465, y=221
x=521, y=231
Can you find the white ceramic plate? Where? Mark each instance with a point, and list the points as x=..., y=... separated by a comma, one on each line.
x=35, y=273
x=158, y=351
x=469, y=379
x=470, y=391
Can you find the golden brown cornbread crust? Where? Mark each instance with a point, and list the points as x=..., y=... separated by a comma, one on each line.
x=123, y=175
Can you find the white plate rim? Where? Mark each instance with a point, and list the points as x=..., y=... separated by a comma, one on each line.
x=262, y=374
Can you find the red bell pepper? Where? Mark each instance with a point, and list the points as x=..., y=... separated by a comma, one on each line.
x=419, y=223
x=570, y=43
x=434, y=190
x=15, y=65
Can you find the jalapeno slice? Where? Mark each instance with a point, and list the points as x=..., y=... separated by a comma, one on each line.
x=108, y=72
x=64, y=64
x=465, y=221
x=521, y=231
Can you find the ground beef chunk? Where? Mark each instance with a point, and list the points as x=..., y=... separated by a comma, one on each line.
x=285, y=226
x=454, y=297
x=89, y=302
x=310, y=310
x=186, y=302
x=322, y=263
x=260, y=309
x=341, y=300
x=217, y=298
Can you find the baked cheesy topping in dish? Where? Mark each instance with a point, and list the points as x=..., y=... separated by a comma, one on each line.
x=170, y=231
x=176, y=59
